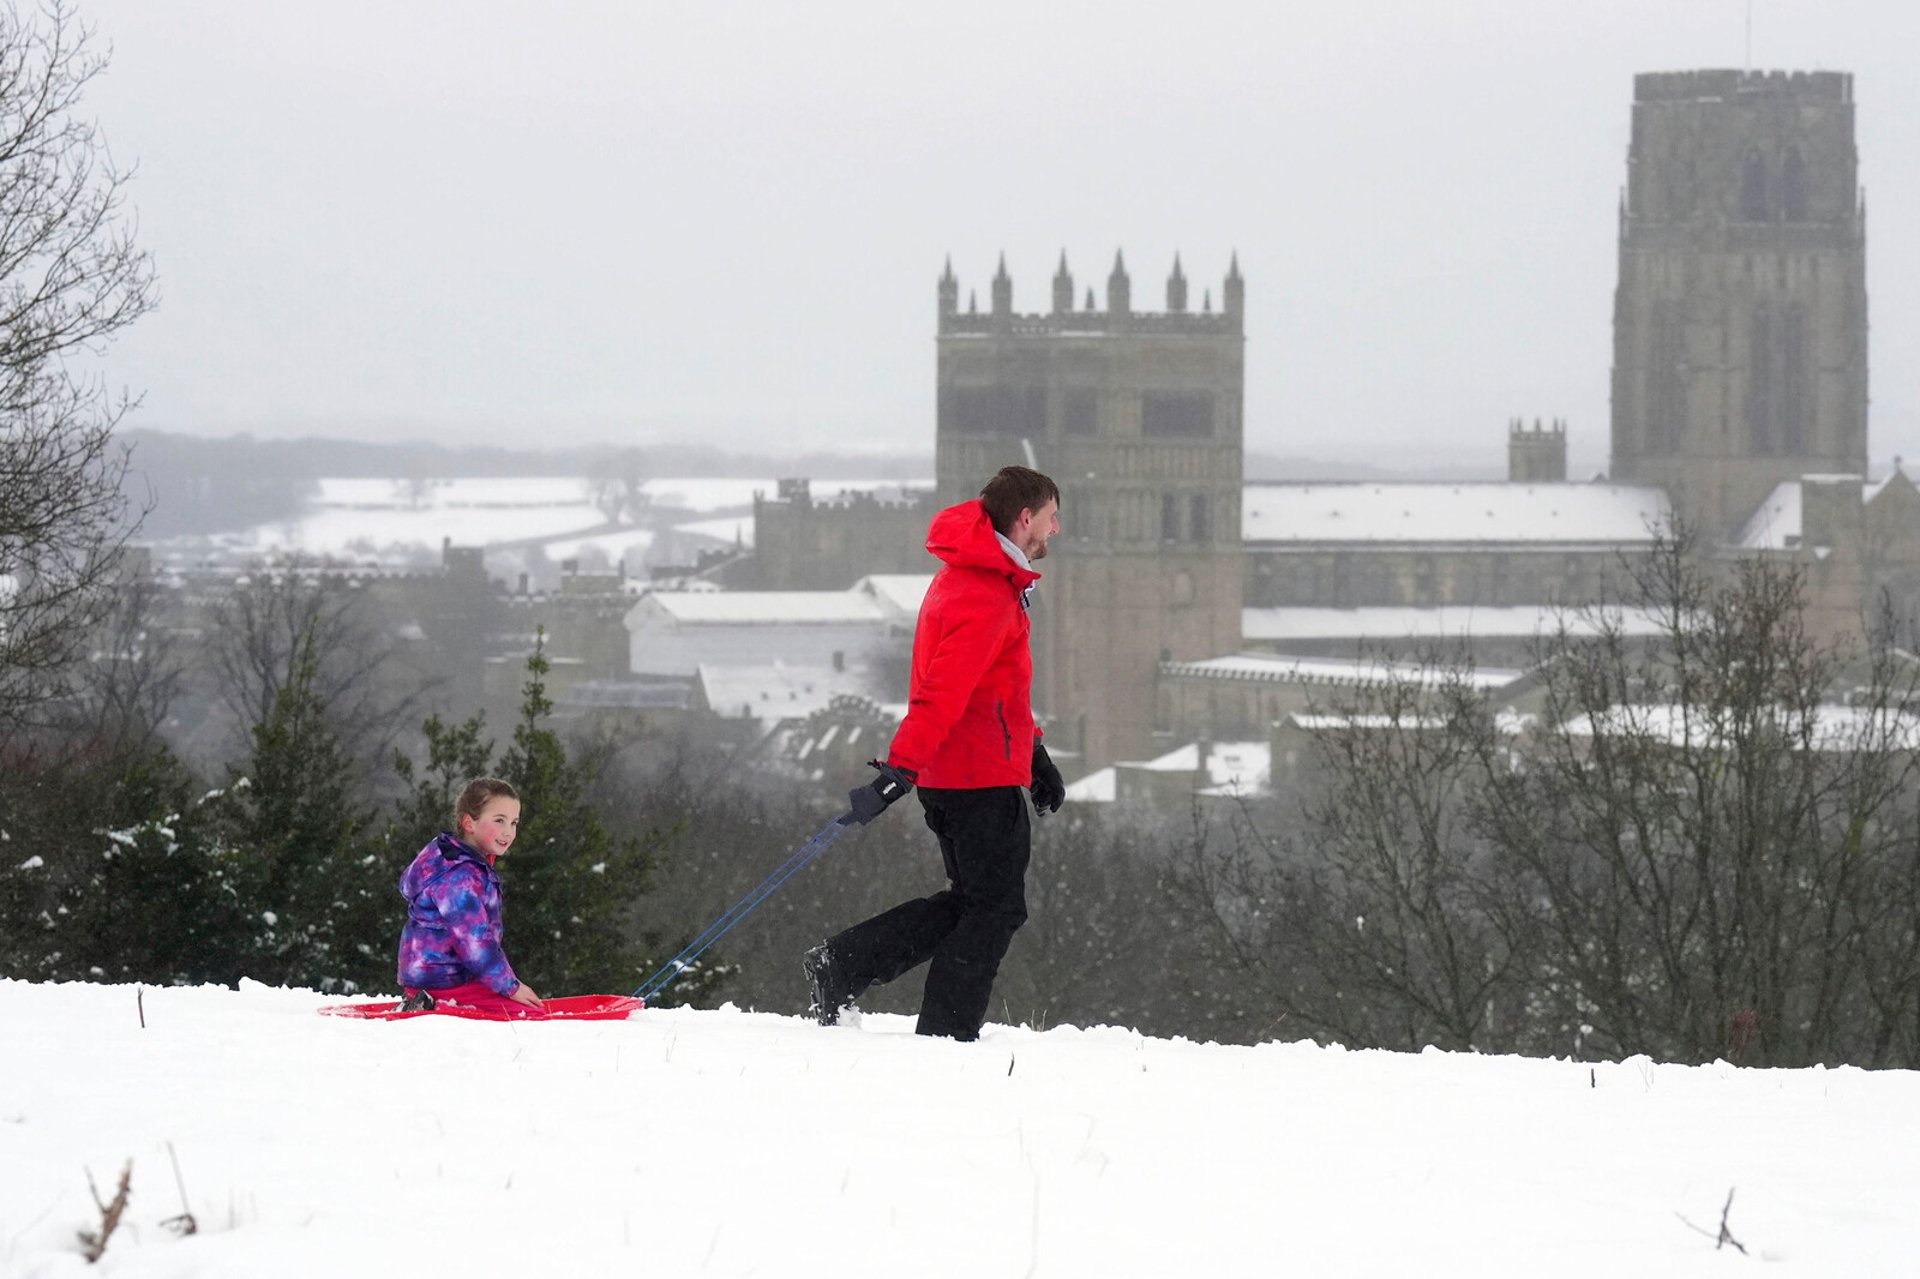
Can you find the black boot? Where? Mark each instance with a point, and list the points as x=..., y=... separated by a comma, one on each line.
x=826, y=984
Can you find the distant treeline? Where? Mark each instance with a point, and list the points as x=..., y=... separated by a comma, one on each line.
x=196, y=484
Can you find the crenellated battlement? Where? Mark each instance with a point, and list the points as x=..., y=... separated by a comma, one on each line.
x=1536, y=454
x=1697, y=86
x=979, y=323
x=1117, y=316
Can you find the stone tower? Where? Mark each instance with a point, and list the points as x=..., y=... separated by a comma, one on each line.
x=1536, y=454
x=1740, y=320
x=1137, y=416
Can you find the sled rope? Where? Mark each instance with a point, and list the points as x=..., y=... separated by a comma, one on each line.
x=679, y=964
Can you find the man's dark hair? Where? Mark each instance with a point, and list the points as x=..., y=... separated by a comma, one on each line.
x=1013, y=490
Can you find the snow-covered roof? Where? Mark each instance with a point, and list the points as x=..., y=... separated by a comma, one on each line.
x=737, y=608
x=1446, y=622
x=1231, y=768
x=1578, y=514
x=1312, y=722
x=899, y=592
x=1834, y=728
x=776, y=690
x=1775, y=524
x=1097, y=787
x=1280, y=668
x=1779, y=522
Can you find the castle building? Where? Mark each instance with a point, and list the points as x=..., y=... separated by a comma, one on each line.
x=805, y=542
x=1137, y=415
x=1186, y=603
x=1740, y=319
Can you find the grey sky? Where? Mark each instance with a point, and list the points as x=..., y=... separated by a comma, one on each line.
x=531, y=223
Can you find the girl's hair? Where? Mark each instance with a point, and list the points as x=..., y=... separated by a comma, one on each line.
x=480, y=792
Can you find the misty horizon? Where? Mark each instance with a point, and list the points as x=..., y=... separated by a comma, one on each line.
x=639, y=226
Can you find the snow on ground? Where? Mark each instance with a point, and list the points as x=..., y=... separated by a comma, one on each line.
x=375, y=517
x=733, y=530
x=696, y=1143
x=628, y=543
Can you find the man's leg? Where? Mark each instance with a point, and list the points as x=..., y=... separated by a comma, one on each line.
x=990, y=840
x=894, y=942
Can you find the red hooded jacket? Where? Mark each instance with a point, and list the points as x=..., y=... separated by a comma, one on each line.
x=969, y=717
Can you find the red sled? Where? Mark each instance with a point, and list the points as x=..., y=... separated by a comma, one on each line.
x=566, y=1008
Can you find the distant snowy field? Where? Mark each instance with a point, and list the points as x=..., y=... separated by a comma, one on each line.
x=697, y=1143
x=379, y=518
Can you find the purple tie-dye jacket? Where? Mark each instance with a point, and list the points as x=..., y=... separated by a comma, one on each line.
x=452, y=933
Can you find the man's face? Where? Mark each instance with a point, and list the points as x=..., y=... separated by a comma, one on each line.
x=1034, y=528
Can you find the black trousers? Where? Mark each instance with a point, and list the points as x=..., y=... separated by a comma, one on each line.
x=985, y=840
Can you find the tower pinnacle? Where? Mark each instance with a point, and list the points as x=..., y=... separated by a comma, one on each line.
x=1119, y=287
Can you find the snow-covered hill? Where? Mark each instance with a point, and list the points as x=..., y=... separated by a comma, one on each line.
x=694, y=1143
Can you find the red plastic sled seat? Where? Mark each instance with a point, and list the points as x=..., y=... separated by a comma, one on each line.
x=566, y=1008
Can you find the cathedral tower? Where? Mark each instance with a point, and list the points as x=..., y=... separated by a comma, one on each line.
x=1137, y=416
x=1740, y=319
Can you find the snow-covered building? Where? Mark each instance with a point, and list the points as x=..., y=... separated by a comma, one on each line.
x=866, y=625
x=1441, y=545
x=1243, y=695
x=1208, y=770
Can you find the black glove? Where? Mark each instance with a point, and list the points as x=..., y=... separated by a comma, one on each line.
x=871, y=800
x=1048, y=787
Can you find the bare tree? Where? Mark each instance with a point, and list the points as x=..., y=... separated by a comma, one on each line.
x=264, y=631
x=1693, y=844
x=1714, y=829
x=70, y=278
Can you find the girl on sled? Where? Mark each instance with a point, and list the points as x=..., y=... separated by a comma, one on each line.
x=450, y=948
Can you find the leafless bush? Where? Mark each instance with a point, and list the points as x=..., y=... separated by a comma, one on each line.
x=70, y=278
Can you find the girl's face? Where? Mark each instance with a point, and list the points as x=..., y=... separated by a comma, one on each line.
x=493, y=830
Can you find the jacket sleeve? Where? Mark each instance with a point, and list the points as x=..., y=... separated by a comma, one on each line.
x=475, y=938
x=963, y=649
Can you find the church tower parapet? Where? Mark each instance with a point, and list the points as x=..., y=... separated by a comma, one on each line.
x=1138, y=416
x=1536, y=454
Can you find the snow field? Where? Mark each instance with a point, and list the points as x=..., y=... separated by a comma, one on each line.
x=694, y=1143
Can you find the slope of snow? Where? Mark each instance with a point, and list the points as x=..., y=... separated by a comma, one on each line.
x=695, y=1143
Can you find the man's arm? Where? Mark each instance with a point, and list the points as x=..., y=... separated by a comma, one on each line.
x=963, y=650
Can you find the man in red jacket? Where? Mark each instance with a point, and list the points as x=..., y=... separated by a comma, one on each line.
x=969, y=744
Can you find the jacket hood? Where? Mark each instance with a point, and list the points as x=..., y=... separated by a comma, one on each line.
x=963, y=537
x=435, y=860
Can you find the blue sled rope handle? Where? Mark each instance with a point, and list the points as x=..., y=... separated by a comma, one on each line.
x=740, y=909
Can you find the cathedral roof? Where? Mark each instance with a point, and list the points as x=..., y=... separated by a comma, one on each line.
x=1283, y=624
x=1285, y=669
x=1452, y=513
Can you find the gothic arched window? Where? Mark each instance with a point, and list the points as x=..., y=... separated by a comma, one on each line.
x=1666, y=381
x=1753, y=189
x=1793, y=187
x=1762, y=402
x=1793, y=401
